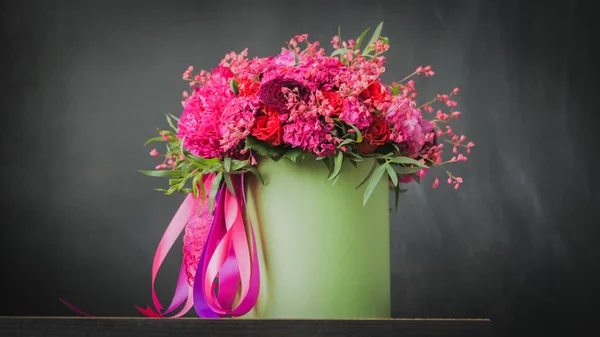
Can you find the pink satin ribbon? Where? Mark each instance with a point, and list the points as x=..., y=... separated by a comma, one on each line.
x=226, y=256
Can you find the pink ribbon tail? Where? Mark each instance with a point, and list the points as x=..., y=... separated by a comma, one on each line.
x=227, y=256
x=74, y=308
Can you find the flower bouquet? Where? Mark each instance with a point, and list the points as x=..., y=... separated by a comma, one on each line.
x=286, y=162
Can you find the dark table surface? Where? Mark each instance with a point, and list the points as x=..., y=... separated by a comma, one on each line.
x=149, y=327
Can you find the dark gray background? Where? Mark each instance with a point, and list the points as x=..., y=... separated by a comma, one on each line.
x=84, y=84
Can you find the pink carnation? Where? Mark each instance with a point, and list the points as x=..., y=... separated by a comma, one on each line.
x=201, y=118
x=406, y=125
x=354, y=112
x=237, y=120
x=309, y=134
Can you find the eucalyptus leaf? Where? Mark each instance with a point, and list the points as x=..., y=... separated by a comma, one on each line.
x=416, y=178
x=170, y=122
x=227, y=164
x=361, y=38
x=406, y=160
x=213, y=190
x=346, y=141
x=229, y=183
x=393, y=175
x=373, y=181
x=329, y=163
x=203, y=161
x=163, y=173
x=405, y=170
x=256, y=173
x=359, y=137
x=334, y=181
x=237, y=165
x=368, y=174
x=337, y=166
x=155, y=139
x=202, y=192
x=339, y=51
x=195, y=187
x=374, y=38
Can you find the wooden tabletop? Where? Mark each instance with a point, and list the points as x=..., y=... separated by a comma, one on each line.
x=151, y=327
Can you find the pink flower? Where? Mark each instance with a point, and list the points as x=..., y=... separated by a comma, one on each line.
x=309, y=134
x=355, y=113
x=199, y=124
x=237, y=120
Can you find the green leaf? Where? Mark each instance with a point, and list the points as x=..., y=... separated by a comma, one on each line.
x=202, y=192
x=173, y=182
x=254, y=171
x=293, y=154
x=395, y=90
x=374, y=38
x=359, y=136
x=361, y=38
x=406, y=170
x=229, y=183
x=262, y=148
x=346, y=141
x=233, y=85
x=163, y=173
x=329, y=163
x=373, y=181
x=397, y=191
x=181, y=144
x=238, y=164
x=406, y=160
x=174, y=117
x=353, y=162
x=393, y=175
x=227, y=164
x=195, y=187
x=155, y=139
x=416, y=178
x=339, y=51
x=170, y=122
x=202, y=162
x=356, y=156
x=296, y=59
x=213, y=190
x=335, y=180
x=368, y=174
x=339, y=159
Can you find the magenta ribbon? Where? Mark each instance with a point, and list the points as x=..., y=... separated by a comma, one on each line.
x=227, y=266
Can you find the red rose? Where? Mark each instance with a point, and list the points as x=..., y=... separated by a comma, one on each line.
x=374, y=91
x=335, y=100
x=267, y=127
x=375, y=135
x=247, y=87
